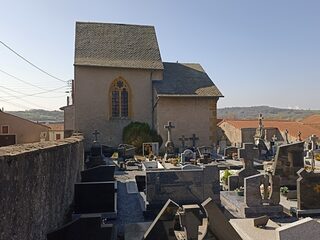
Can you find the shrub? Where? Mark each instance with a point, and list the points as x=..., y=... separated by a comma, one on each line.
x=225, y=176
x=137, y=133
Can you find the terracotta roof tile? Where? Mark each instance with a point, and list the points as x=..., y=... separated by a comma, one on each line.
x=282, y=125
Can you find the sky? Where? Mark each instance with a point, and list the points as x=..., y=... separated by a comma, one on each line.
x=256, y=52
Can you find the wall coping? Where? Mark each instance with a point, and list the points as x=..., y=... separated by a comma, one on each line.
x=30, y=147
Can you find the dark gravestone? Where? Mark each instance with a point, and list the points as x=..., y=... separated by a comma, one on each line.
x=163, y=225
x=308, y=190
x=95, y=197
x=141, y=183
x=230, y=151
x=98, y=174
x=84, y=228
x=218, y=223
x=288, y=161
x=182, y=186
x=246, y=154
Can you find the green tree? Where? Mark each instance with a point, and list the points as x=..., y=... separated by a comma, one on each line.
x=137, y=133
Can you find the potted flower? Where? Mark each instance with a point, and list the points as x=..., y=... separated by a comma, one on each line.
x=284, y=190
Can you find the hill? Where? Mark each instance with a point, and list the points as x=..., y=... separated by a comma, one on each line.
x=267, y=112
x=39, y=115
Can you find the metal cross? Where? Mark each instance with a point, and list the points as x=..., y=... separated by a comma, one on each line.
x=96, y=133
x=194, y=139
x=183, y=140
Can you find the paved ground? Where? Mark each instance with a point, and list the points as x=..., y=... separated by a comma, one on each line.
x=129, y=204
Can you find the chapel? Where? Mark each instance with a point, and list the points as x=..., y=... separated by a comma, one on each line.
x=119, y=77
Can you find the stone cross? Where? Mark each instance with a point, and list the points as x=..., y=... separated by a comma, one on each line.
x=286, y=135
x=194, y=139
x=248, y=152
x=313, y=140
x=274, y=138
x=260, y=126
x=96, y=133
x=169, y=127
x=299, y=136
x=183, y=140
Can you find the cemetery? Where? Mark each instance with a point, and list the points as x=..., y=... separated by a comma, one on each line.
x=193, y=192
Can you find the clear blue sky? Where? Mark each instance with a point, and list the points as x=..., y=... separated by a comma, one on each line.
x=256, y=52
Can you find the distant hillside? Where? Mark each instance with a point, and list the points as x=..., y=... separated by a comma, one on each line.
x=39, y=115
x=267, y=112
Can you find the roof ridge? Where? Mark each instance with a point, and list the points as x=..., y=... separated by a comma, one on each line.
x=118, y=24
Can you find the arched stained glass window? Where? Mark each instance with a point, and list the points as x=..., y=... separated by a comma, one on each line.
x=119, y=98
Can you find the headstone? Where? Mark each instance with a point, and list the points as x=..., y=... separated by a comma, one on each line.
x=230, y=151
x=194, y=138
x=169, y=145
x=246, y=154
x=163, y=225
x=95, y=197
x=206, y=154
x=126, y=151
x=84, y=228
x=98, y=174
x=96, y=156
x=182, y=186
x=218, y=223
x=308, y=190
x=306, y=228
x=190, y=219
x=261, y=222
x=288, y=161
x=188, y=155
x=313, y=139
x=262, y=195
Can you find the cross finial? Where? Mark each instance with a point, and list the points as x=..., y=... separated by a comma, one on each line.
x=169, y=126
x=96, y=133
x=299, y=136
x=286, y=135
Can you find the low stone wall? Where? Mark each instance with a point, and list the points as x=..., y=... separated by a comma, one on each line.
x=37, y=186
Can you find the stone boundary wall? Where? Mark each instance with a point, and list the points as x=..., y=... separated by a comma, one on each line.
x=37, y=186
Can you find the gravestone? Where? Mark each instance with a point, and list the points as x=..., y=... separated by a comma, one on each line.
x=218, y=223
x=126, y=151
x=169, y=145
x=308, y=190
x=95, y=197
x=98, y=174
x=84, y=228
x=306, y=228
x=163, y=225
x=288, y=161
x=95, y=156
x=190, y=219
x=230, y=151
x=182, y=186
x=206, y=154
x=262, y=195
x=186, y=156
x=246, y=154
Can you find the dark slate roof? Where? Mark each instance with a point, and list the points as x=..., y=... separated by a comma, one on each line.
x=185, y=79
x=117, y=45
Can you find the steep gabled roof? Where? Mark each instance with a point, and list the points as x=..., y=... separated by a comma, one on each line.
x=185, y=79
x=116, y=45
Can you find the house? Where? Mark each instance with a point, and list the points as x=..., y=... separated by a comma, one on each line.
x=242, y=131
x=56, y=131
x=16, y=130
x=120, y=77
